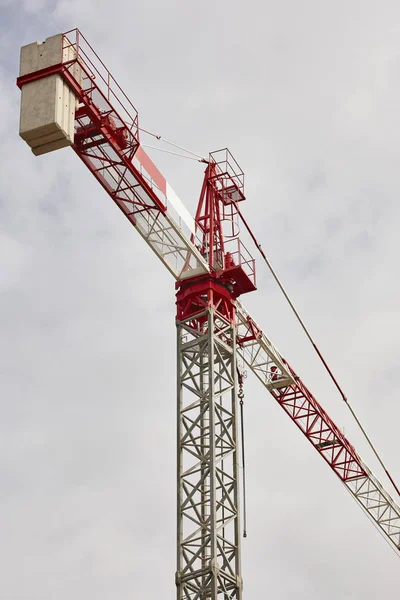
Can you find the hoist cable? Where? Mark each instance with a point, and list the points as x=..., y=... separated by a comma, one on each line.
x=241, y=405
x=300, y=320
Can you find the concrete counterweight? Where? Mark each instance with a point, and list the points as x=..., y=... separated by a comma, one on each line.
x=48, y=104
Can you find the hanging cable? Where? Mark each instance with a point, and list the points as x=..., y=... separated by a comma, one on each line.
x=160, y=138
x=241, y=404
x=170, y=152
x=300, y=320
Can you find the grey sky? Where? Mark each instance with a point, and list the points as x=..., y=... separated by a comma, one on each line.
x=306, y=96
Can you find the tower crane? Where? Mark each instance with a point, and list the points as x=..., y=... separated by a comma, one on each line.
x=69, y=98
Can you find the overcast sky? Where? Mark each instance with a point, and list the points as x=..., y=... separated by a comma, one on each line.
x=306, y=94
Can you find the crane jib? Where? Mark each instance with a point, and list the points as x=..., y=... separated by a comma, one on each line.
x=293, y=396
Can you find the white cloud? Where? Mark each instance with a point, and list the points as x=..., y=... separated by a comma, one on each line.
x=306, y=97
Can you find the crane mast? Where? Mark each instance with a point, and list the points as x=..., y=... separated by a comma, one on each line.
x=208, y=553
x=212, y=269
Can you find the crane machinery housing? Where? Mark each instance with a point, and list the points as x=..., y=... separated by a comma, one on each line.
x=69, y=98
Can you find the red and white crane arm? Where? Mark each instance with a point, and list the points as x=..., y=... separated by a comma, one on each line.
x=264, y=360
x=106, y=139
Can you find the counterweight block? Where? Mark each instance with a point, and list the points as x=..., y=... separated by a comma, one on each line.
x=48, y=103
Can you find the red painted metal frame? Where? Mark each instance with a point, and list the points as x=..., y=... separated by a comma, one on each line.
x=229, y=175
x=106, y=128
x=230, y=276
x=105, y=141
x=194, y=296
x=60, y=69
x=232, y=269
x=253, y=332
x=319, y=429
x=208, y=219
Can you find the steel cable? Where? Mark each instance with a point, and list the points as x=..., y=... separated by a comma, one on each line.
x=170, y=152
x=160, y=138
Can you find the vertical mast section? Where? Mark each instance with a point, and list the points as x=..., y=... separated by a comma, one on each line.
x=208, y=552
x=208, y=520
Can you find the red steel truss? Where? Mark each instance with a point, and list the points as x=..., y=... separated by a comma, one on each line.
x=318, y=427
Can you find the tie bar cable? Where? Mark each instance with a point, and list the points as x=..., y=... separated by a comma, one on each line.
x=170, y=152
x=160, y=138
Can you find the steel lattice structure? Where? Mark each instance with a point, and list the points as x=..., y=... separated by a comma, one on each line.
x=289, y=391
x=208, y=496
x=212, y=270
